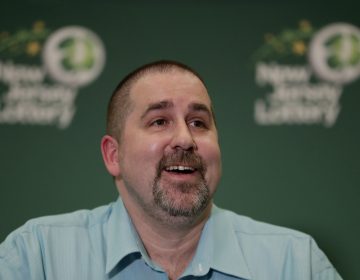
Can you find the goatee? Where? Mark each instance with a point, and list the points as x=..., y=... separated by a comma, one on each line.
x=181, y=199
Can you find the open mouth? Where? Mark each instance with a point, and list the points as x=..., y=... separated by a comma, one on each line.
x=180, y=169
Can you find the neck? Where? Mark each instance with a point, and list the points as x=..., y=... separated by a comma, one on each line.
x=170, y=249
x=171, y=243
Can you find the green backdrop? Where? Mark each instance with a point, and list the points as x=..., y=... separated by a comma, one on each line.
x=303, y=176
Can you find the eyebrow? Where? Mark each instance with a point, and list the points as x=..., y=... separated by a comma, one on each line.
x=157, y=106
x=200, y=107
x=165, y=104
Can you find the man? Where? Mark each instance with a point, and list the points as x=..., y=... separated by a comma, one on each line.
x=162, y=149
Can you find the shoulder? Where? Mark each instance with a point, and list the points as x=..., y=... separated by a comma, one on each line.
x=246, y=226
x=37, y=229
x=80, y=218
x=267, y=243
x=55, y=241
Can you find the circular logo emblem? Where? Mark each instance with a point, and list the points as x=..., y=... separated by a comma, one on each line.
x=335, y=53
x=74, y=56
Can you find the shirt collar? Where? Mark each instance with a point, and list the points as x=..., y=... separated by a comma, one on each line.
x=121, y=237
x=219, y=249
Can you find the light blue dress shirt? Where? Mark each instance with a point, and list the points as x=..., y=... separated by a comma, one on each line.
x=103, y=244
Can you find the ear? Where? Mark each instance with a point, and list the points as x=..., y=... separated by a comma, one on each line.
x=110, y=154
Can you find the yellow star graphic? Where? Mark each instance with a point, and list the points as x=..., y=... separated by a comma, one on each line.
x=33, y=48
x=298, y=48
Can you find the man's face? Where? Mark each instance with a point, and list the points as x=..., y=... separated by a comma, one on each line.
x=169, y=155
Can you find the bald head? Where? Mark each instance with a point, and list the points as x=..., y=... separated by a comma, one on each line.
x=120, y=104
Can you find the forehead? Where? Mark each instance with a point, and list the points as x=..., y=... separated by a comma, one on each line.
x=176, y=86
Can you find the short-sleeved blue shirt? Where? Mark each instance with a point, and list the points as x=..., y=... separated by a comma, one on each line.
x=103, y=244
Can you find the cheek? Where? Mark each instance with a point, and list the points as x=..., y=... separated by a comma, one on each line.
x=144, y=150
x=210, y=152
x=214, y=164
x=155, y=147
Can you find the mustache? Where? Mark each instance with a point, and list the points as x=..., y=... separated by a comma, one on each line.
x=181, y=157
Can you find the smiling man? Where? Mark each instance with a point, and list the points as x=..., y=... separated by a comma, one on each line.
x=162, y=149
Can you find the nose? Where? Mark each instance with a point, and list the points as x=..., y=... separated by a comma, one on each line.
x=183, y=138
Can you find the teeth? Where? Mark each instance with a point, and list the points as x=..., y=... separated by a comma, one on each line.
x=180, y=168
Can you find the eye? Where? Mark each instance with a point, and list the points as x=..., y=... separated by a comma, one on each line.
x=198, y=124
x=158, y=122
